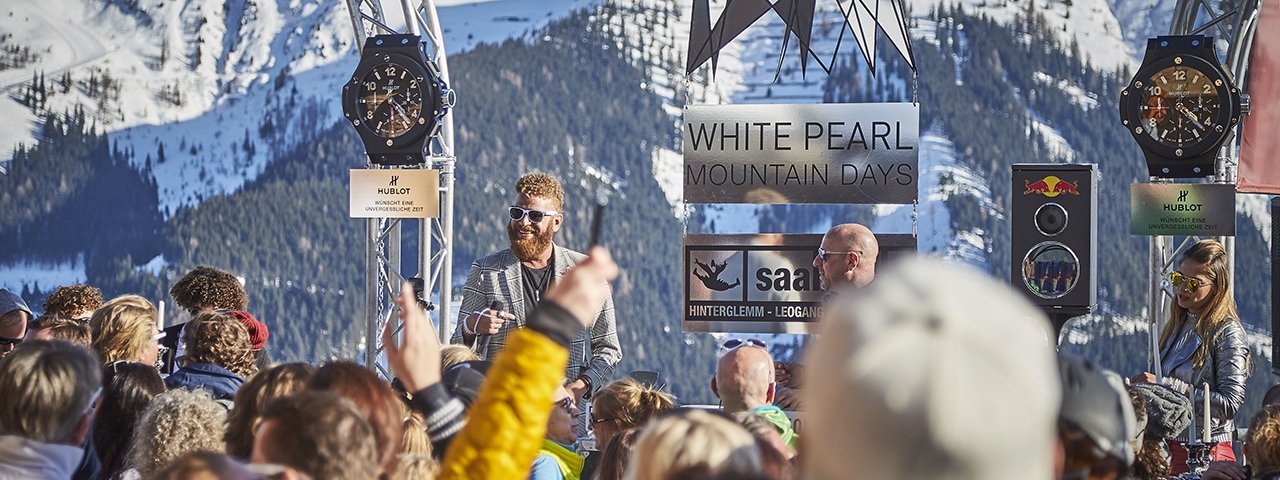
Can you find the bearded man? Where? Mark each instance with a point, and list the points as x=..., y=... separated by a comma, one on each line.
x=503, y=288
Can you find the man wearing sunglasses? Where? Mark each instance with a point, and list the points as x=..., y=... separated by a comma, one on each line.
x=502, y=288
x=14, y=315
x=847, y=258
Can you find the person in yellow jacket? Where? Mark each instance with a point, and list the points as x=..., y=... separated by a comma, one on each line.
x=507, y=424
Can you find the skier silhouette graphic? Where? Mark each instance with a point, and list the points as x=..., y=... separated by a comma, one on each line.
x=710, y=275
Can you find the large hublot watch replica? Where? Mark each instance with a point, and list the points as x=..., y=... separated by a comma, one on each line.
x=1180, y=106
x=395, y=99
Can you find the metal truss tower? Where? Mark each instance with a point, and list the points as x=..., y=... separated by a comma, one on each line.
x=384, y=255
x=1235, y=25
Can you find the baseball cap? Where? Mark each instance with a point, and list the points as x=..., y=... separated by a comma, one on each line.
x=935, y=370
x=10, y=301
x=464, y=380
x=1097, y=404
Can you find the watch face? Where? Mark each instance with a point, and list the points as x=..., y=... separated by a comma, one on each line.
x=390, y=99
x=1179, y=106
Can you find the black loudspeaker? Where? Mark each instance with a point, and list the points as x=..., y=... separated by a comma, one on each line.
x=1275, y=285
x=1054, y=223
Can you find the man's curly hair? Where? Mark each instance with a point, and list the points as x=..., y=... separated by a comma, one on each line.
x=209, y=288
x=73, y=301
x=219, y=339
x=1263, y=444
x=539, y=184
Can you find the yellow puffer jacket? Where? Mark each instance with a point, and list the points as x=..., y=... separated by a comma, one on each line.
x=506, y=425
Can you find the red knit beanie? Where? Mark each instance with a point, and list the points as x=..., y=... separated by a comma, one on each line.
x=257, y=330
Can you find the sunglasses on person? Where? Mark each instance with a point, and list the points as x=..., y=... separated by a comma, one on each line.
x=595, y=420
x=735, y=343
x=822, y=254
x=10, y=341
x=565, y=404
x=1187, y=284
x=535, y=216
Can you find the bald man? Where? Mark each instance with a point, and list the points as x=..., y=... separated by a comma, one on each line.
x=847, y=258
x=744, y=383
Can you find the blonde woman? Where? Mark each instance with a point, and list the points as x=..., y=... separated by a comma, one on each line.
x=618, y=406
x=124, y=329
x=1204, y=342
x=694, y=442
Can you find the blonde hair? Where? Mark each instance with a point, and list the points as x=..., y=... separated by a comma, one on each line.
x=416, y=462
x=176, y=422
x=629, y=403
x=122, y=328
x=272, y=383
x=1222, y=304
x=46, y=387
x=693, y=441
x=451, y=355
x=541, y=184
x=222, y=340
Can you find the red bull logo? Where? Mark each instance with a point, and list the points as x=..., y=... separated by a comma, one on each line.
x=1051, y=186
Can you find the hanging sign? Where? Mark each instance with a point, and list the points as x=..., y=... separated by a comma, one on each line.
x=810, y=153
x=760, y=282
x=395, y=193
x=1201, y=209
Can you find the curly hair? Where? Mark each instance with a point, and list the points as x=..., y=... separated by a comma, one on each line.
x=122, y=328
x=1264, y=439
x=176, y=422
x=207, y=287
x=272, y=383
x=629, y=403
x=60, y=327
x=73, y=301
x=374, y=397
x=540, y=184
x=220, y=339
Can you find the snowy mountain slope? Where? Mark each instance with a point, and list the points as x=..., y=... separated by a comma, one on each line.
x=220, y=87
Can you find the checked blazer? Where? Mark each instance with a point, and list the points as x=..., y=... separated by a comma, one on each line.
x=592, y=355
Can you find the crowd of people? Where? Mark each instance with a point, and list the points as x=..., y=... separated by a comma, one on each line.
x=906, y=380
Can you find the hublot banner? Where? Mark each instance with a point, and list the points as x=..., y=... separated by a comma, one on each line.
x=1200, y=209
x=760, y=282
x=812, y=153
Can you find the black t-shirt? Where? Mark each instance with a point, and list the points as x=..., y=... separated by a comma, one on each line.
x=535, y=282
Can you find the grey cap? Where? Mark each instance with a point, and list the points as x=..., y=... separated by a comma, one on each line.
x=1097, y=406
x=10, y=301
x=1168, y=412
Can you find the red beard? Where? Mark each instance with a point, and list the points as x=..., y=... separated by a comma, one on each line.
x=532, y=248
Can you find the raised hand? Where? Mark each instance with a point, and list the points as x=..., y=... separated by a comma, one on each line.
x=417, y=360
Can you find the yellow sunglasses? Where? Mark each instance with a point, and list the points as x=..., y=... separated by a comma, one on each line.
x=1187, y=284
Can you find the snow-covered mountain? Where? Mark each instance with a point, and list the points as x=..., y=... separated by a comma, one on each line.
x=206, y=92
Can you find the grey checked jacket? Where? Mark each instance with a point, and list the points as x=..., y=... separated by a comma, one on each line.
x=497, y=277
